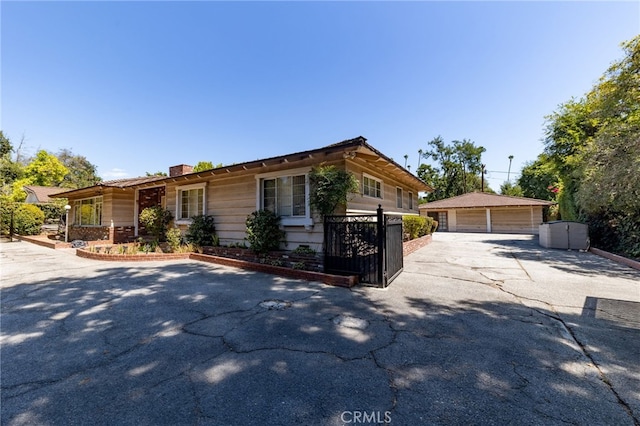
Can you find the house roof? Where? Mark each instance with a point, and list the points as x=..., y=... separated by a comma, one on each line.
x=42, y=193
x=351, y=148
x=483, y=199
x=116, y=183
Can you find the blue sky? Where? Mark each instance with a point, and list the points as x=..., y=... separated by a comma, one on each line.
x=139, y=86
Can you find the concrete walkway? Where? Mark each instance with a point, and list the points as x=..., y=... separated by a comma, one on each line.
x=478, y=329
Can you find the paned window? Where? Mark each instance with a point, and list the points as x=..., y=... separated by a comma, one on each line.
x=399, y=198
x=191, y=203
x=371, y=187
x=88, y=212
x=285, y=195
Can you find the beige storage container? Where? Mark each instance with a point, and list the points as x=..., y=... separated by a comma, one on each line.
x=564, y=235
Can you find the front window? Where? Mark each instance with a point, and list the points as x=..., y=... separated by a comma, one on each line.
x=411, y=201
x=371, y=187
x=285, y=195
x=88, y=212
x=399, y=198
x=190, y=202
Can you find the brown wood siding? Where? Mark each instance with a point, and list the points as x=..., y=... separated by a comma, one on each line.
x=360, y=202
x=231, y=198
x=122, y=207
x=516, y=220
x=471, y=220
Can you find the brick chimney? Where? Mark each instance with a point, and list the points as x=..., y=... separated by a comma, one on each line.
x=179, y=170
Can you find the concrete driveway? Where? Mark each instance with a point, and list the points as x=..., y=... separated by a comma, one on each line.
x=478, y=329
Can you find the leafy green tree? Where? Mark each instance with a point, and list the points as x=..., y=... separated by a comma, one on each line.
x=5, y=145
x=507, y=188
x=457, y=168
x=539, y=179
x=202, y=166
x=10, y=171
x=330, y=188
x=81, y=172
x=594, y=145
x=156, y=174
x=45, y=170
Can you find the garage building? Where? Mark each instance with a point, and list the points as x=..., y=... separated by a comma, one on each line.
x=483, y=212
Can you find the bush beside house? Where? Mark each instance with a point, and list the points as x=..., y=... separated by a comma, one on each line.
x=27, y=218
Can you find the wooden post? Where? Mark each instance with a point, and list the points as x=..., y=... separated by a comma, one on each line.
x=381, y=241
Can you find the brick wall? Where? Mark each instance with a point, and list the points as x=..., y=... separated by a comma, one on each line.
x=118, y=234
x=311, y=262
x=410, y=246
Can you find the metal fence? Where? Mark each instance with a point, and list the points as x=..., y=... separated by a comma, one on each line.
x=369, y=246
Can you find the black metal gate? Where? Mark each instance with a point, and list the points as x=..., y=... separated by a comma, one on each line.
x=369, y=246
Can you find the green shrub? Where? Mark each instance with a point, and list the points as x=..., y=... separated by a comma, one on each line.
x=330, y=188
x=263, y=231
x=202, y=231
x=52, y=211
x=418, y=226
x=27, y=218
x=303, y=249
x=174, y=239
x=156, y=220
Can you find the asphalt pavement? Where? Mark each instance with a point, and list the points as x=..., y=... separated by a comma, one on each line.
x=477, y=329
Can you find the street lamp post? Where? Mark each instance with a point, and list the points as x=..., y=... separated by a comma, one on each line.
x=509, y=172
x=66, y=223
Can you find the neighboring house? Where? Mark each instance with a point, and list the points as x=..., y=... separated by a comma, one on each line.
x=110, y=210
x=41, y=194
x=483, y=212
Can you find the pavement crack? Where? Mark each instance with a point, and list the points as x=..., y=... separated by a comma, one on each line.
x=521, y=267
x=584, y=351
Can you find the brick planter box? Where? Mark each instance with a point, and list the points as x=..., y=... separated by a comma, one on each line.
x=409, y=247
x=286, y=259
x=138, y=257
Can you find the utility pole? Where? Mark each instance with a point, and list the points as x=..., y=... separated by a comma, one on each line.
x=509, y=172
x=482, y=177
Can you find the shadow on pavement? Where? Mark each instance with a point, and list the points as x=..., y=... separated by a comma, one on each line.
x=571, y=261
x=187, y=344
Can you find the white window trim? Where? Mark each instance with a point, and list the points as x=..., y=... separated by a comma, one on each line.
x=72, y=221
x=179, y=190
x=307, y=220
x=377, y=180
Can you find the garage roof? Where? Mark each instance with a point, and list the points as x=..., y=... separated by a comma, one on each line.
x=481, y=200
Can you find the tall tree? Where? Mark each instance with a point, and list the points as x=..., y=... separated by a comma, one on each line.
x=507, y=188
x=539, y=179
x=205, y=165
x=594, y=144
x=45, y=170
x=456, y=169
x=10, y=171
x=81, y=172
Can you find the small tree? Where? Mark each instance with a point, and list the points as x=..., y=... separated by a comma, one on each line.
x=156, y=220
x=330, y=188
x=263, y=231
